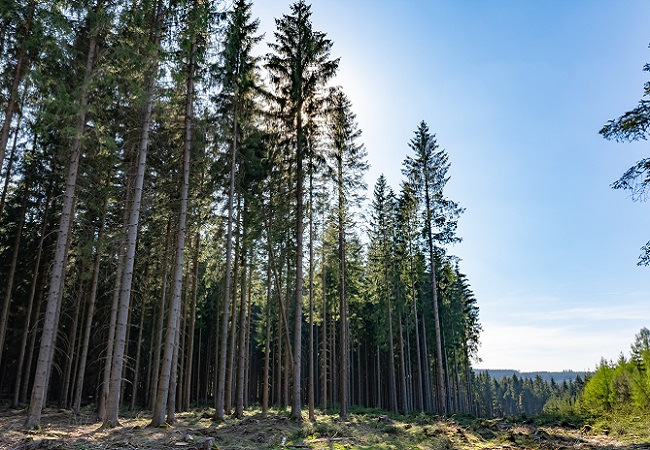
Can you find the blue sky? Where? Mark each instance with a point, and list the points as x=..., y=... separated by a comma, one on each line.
x=516, y=91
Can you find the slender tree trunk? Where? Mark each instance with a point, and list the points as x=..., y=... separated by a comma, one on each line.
x=30, y=301
x=409, y=373
x=420, y=385
x=171, y=338
x=138, y=353
x=72, y=342
x=233, y=317
x=173, y=380
x=4, y=313
x=267, y=341
x=161, y=318
x=378, y=378
x=221, y=379
x=457, y=382
x=312, y=416
x=190, y=335
x=324, y=333
x=402, y=366
x=57, y=278
x=239, y=398
x=113, y=401
x=343, y=305
x=282, y=310
x=392, y=386
x=247, y=324
x=470, y=397
x=296, y=413
x=83, y=356
x=442, y=392
x=279, y=360
x=428, y=393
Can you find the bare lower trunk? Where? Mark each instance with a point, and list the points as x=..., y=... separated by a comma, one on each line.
x=170, y=357
x=312, y=416
x=267, y=341
x=233, y=319
x=324, y=333
x=30, y=303
x=173, y=380
x=343, y=305
x=402, y=368
x=190, y=334
x=83, y=357
x=223, y=341
x=239, y=398
x=392, y=387
x=110, y=341
x=113, y=401
x=418, y=350
x=161, y=319
x=296, y=400
x=441, y=389
x=428, y=392
x=57, y=277
x=138, y=354
x=72, y=339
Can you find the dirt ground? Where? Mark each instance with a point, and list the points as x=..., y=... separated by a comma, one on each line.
x=62, y=429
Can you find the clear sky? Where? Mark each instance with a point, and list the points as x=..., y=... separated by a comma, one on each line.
x=516, y=91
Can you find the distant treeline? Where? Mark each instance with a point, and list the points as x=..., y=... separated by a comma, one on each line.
x=558, y=377
x=516, y=394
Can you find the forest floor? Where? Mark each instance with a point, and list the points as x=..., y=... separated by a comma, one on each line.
x=366, y=429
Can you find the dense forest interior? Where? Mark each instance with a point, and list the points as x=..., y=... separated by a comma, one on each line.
x=184, y=222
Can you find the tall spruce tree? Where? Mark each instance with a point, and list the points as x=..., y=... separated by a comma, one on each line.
x=427, y=173
x=236, y=107
x=299, y=67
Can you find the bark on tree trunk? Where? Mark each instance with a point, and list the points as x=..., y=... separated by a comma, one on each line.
x=239, y=398
x=30, y=303
x=296, y=413
x=402, y=365
x=233, y=318
x=312, y=416
x=392, y=387
x=138, y=354
x=223, y=345
x=72, y=339
x=190, y=335
x=267, y=341
x=171, y=346
x=161, y=319
x=113, y=400
x=83, y=356
x=57, y=278
x=324, y=333
x=442, y=392
x=343, y=304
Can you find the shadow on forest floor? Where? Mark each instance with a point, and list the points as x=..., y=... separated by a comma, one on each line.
x=372, y=429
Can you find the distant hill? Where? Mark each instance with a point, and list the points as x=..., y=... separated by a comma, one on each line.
x=559, y=377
